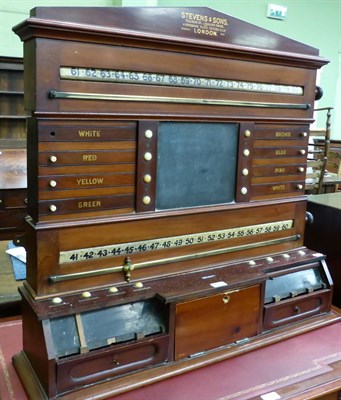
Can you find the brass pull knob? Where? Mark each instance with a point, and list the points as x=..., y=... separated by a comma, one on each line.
x=226, y=299
x=297, y=309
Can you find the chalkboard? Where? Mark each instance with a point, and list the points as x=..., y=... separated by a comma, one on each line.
x=123, y=323
x=109, y=325
x=296, y=282
x=65, y=335
x=196, y=164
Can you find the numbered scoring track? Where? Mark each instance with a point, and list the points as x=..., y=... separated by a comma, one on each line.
x=148, y=78
x=124, y=249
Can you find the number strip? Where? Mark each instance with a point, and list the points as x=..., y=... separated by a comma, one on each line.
x=124, y=249
x=147, y=78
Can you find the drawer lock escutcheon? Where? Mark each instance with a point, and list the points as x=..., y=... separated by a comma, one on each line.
x=227, y=297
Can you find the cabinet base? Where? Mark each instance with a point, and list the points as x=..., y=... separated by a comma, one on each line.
x=133, y=381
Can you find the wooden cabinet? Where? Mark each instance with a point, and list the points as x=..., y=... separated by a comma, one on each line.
x=167, y=162
x=13, y=117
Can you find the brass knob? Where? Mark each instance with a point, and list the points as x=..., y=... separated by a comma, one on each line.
x=297, y=309
x=226, y=299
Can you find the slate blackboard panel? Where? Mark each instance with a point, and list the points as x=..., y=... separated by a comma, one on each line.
x=196, y=164
x=65, y=335
x=123, y=323
x=296, y=282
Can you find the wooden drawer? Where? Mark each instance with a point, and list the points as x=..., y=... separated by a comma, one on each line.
x=215, y=321
x=293, y=310
x=278, y=170
x=12, y=198
x=281, y=132
x=95, y=366
x=12, y=213
x=278, y=188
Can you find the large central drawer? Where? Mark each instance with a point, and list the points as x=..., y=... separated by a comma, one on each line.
x=217, y=320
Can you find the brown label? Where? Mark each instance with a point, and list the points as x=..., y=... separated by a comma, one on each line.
x=282, y=134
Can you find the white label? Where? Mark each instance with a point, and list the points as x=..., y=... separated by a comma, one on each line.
x=271, y=396
x=218, y=284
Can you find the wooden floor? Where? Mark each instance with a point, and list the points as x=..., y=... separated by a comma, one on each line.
x=9, y=295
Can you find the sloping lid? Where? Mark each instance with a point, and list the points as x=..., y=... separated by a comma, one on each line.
x=191, y=27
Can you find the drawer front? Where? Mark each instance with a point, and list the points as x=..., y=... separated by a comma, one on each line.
x=278, y=188
x=85, y=167
x=293, y=310
x=12, y=199
x=99, y=365
x=215, y=321
x=278, y=161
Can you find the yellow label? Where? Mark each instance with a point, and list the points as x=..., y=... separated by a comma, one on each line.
x=281, y=152
x=90, y=181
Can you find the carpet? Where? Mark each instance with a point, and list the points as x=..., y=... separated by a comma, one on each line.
x=19, y=267
x=261, y=374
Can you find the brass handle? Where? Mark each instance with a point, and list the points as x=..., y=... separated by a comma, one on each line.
x=116, y=362
x=226, y=299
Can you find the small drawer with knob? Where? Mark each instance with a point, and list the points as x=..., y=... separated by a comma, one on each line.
x=77, y=371
x=295, y=309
